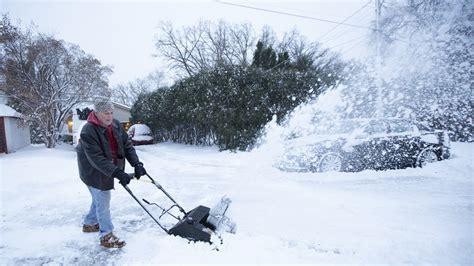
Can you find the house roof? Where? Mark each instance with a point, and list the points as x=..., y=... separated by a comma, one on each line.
x=7, y=111
x=123, y=106
x=91, y=106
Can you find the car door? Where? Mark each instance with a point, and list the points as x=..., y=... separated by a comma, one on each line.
x=405, y=143
x=371, y=150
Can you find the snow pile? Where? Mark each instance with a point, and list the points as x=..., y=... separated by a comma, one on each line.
x=302, y=120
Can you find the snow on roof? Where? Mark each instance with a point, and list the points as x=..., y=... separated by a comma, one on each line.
x=8, y=111
x=91, y=106
x=84, y=105
x=123, y=106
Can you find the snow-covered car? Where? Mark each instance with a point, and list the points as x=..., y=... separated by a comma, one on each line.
x=354, y=145
x=140, y=134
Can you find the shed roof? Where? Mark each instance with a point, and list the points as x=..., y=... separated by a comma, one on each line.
x=7, y=111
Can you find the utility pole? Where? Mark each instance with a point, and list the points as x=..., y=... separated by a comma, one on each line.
x=378, y=60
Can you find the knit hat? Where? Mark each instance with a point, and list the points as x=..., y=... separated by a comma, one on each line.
x=102, y=106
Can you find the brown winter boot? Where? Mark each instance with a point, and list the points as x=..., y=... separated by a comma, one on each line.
x=111, y=241
x=90, y=228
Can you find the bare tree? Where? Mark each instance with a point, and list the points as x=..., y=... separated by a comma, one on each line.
x=156, y=80
x=268, y=36
x=178, y=48
x=204, y=46
x=128, y=93
x=243, y=41
x=217, y=42
x=45, y=78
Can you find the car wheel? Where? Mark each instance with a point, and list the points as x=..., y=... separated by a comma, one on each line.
x=330, y=162
x=427, y=155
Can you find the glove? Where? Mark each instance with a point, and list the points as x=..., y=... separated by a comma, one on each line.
x=122, y=176
x=139, y=170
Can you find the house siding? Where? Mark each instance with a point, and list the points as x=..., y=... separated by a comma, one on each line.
x=17, y=136
x=121, y=114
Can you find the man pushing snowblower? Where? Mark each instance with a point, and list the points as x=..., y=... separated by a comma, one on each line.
x=101, y=154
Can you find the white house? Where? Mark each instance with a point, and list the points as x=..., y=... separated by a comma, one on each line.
x=13, y=134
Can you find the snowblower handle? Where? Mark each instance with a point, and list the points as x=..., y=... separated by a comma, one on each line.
x=166, y=193
x=143, y=207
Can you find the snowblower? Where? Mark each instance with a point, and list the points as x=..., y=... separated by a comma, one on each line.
x=197, y=224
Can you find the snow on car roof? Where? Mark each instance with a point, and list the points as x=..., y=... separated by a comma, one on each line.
x=140, y=129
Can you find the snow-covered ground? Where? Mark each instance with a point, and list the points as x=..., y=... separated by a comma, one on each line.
x=412, y=216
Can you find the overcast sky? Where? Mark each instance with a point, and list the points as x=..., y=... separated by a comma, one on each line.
x=122, y=33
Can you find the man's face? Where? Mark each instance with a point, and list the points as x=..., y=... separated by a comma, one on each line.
x=105, y=118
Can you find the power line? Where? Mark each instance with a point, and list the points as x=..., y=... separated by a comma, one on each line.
x=294, y=15
x=342, y=33
x=346, y=42
x=307, y=17
x=337, y=36
x=353, y=14
x=352, y=47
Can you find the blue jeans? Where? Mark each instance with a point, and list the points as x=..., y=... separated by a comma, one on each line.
x=100, y=211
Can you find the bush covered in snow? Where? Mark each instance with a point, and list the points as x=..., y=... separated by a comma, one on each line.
x=225, y=106
x=228, y=105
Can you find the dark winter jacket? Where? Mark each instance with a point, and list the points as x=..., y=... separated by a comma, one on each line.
x=94, y=155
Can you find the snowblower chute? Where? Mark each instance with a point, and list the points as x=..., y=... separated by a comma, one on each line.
x=197, y=224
